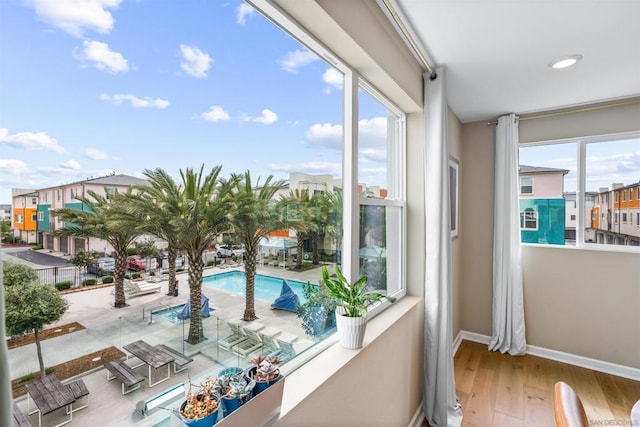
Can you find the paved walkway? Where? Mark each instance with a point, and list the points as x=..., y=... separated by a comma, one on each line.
x=106, y=326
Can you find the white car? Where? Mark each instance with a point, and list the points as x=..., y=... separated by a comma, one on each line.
x=223, y=251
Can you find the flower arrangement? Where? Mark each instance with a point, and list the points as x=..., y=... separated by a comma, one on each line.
x=202, y=403
x=267, y=368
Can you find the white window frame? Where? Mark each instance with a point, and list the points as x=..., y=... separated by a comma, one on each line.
x=351, y=199
x=523, y=193
x=523, y=219
x=40, y=216
x=582, y=143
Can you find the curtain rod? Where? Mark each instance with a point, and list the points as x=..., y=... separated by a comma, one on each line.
x=409, y=38
x=572, y=111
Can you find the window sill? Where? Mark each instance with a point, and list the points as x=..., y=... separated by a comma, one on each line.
x=320, y=369
x=587, y=247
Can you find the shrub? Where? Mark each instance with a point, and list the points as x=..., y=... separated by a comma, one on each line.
x=66, y=284
x=136, y=275
x=108, y=279
x=132, y=251
x=152, y=273
x=89, y=282
x=210, y=263
x=27, y=378
x=49, y=370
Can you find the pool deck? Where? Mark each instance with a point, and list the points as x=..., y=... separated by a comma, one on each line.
x=106, y=326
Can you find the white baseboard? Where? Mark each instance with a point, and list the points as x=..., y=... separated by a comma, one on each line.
x=418, y=416
x=572, y=359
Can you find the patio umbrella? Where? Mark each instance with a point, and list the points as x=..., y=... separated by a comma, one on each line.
x=279, y=243
x=373, y=251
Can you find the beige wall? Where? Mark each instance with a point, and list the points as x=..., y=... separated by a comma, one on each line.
x=577, y=301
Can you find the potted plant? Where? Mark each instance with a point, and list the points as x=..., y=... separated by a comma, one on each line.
x=352, y=301
x=200, y=409
x=318, y=311
x=234, y=390
x=265, y=371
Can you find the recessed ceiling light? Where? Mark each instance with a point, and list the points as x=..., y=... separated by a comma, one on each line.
x=565, y=61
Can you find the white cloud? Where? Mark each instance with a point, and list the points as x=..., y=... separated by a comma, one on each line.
x=324, y=131
x=95, y=154
x=375, y=127
x=242, y=12
x=333, y=78
x=71, y=164
x=268, y=117
x=215, y=114
x=32, y=141
x=103, y=58
x=297, y=59
x=373, y=154
x=195, y=62
x=77, y=16
x=12, y=167
x=332, y=168
x=136, y=102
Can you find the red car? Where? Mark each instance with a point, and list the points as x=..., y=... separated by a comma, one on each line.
x=137, y=263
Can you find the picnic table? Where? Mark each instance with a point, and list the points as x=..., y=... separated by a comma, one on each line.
x=151, y=356
x=49, y=395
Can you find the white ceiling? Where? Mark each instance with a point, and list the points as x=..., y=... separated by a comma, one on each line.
x=497, y=52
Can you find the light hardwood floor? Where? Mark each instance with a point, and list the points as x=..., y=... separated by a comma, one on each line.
x=503, y=391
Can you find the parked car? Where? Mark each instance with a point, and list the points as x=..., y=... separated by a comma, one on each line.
x=137, y=263
x=223, y=251
x=104, y=266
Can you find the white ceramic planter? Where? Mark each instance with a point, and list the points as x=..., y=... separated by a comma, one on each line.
x=350, y=330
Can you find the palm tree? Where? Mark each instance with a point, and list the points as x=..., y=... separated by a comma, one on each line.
x=200, y=209
x=105, y=219
x=295, y=213
x=252, y=218
x=159, y=203
x=335, y=220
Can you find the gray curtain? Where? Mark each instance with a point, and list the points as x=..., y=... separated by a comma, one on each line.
x=440, y=404
x=508, y=332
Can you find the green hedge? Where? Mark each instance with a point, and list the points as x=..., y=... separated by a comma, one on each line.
x=108, y=279
x=89, y=282
x=136, y=275
x=61, y=286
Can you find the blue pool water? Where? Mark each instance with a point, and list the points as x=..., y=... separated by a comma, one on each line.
x=267, y=288
x=171, y=314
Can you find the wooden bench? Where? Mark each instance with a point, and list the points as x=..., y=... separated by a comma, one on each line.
x=79, y=390
x=19, y=419
x=179, y=358
x=127, y=375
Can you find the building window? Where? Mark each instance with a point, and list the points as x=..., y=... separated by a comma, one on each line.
x=624, y=217
x=58, y=193
x=573, y=217
x=526, y=185
x=110, y=191
x=529, y=220
x=597, y=172
x=34, y=201
x=638, y=219
x=34, y=218
x=40, y=216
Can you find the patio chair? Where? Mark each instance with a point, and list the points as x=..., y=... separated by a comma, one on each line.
x=270, y=345
x=253, y=341
x=235, y=337
x=134, y=288
x=285, y=342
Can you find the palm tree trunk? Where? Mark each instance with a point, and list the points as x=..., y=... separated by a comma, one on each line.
x=172, y=255
x=250, y=274
x=299, y=250
x=196, y=333
x=39, y=349
x=119, y=272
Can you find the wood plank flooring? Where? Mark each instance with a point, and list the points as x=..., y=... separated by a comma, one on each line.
x=501, y=390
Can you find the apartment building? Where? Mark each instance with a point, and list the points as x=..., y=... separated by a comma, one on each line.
x=24, y=204
x=41, y=225
x=615, y=215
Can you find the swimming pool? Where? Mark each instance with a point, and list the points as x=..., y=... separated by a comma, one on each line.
x=171, y=314
x=267, y=288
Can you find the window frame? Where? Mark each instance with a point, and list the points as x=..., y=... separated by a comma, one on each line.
x=581, y=148
x=521, y=186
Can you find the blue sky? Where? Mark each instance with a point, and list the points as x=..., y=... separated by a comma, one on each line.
x=98, y=86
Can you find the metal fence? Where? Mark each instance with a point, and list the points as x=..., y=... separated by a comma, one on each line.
x=53, y=275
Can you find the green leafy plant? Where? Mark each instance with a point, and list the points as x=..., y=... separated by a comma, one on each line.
x=233, y=386
x=107, y=279
x=317, y=312
x=61, y=286
x=89, y=282
x=353, y=298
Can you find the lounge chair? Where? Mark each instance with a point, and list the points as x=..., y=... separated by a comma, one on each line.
x=270, y=345
x=253, y=341
x=134, y=288
x=235, y=337
x=285, y=342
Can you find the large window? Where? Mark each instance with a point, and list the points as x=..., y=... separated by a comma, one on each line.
x=601, y=173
